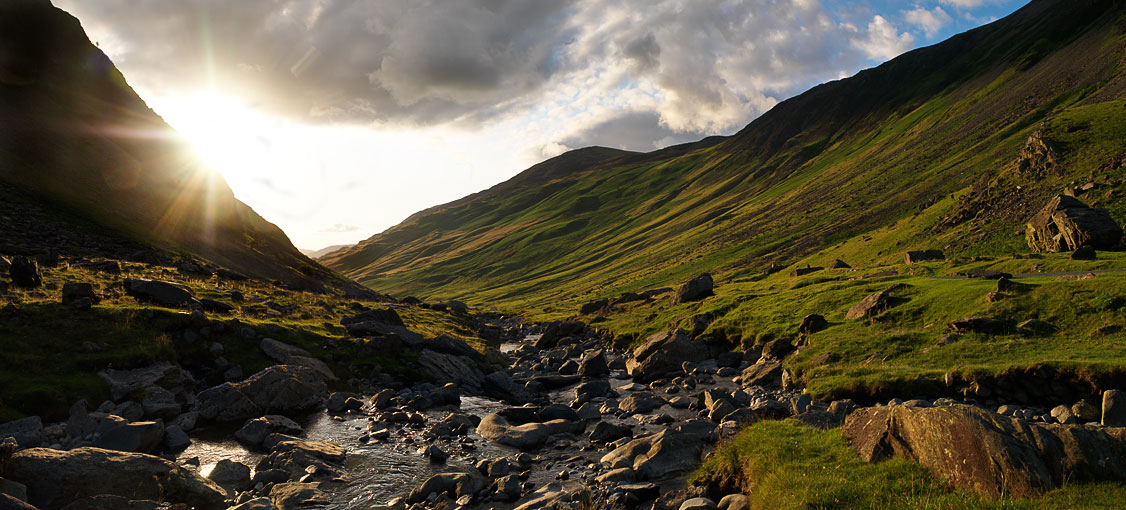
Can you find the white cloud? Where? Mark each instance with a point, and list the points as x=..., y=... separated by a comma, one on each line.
x=929, y=21
x=882, y=40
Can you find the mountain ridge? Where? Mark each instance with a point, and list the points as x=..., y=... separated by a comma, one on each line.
x=779, y=189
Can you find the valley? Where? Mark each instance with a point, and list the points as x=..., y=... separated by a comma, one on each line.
x=901, y=289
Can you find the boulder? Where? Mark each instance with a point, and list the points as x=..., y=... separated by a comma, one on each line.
x=870, y=306
x=1084, y=253
x=1066, y=223
x=24, y=272
x=811, y=324
x=298, y=496
x=74, y=291
x=385, y=316
x=231, y=475
x=979, y=325
x=914, y=257
x=1114, y=408
x=500, y=386
x=839, y=264
x=593, y=306
x=593, y=365
x=764, y=373
x=453, y=485
x=590, y=390
x=528, y=436
x=255, y=431
x=670, y=451
x=216, y=306
x=287, y=354
x=141, y=436
x=295, y=456
x=159, y=293
x=640, y=404
x=777, y=349
x=665, y=352
x=135, y=383
x=447, y=368
x=695, y=289
x=28, y=432
x=279, y=389
x=988, y=453
x=55, y=478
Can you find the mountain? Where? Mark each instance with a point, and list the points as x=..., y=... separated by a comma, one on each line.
x=933, y=136
x=78, y=140
x=316, y=254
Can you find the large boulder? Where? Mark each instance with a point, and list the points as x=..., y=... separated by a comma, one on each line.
x=159, y=293
x=988, y=453
x=870, y=306
x=141, y=436
x=25, y=273
x=55, y=478
x=695, y=289
x=670, y=451
x=447, y=368
x=287, y=354
x=254, y=432
x=528, y=436
x=136, y=383
x=279, y=389
x=665, y=352
x=295, y=457
x=1066, y=224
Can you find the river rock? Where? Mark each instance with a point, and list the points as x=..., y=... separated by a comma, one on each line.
x=695, y=289
x=298, y=496
x=453, y=485
x=278, y=389
x=640, y=404
x=254, y=432
x=1066, y=223
x=665, y=352
x=296, y=456
x=28, y=432
x=141, y=436
x=588, y=391
x=528, y=436
x=670, y=451
x=341, y=401
x=764, y=373
x=231, y=475
x=500, y=386
x=593, y=365
x=988, y=453
x=56, y=478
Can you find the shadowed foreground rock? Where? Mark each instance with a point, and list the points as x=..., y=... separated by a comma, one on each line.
x=988, y=453
x=279, y=389
x=56, y=478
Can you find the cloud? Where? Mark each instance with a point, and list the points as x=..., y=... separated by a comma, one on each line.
x=882, y=40
x=930, y=22
x=969, y=4
x=701, y=67
x=639, y=131
x=340, y=228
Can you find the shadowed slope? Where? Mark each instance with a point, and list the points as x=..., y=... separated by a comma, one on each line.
x=75, y=134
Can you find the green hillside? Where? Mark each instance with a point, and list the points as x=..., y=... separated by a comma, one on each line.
x=77, y=138
x=821, y=173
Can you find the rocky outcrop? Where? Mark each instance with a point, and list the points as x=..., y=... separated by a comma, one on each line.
x=279, y=389
x=986, y=452
x=56, y=478
x=695, y=289
x=665, y=352
x=1066, y=224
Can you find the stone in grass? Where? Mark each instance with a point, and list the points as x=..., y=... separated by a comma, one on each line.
x=1114, y=408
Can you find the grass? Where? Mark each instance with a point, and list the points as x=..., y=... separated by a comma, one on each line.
x=46, y=367
x=788, y=465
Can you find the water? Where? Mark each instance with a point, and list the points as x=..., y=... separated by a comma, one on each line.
x=377, y=472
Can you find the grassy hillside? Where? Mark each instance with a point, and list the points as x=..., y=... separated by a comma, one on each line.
x=921, y=152
x=75, y=135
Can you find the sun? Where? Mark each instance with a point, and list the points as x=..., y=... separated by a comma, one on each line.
x=229, y=136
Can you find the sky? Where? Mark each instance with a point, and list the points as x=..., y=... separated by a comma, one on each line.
x=337, y=119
